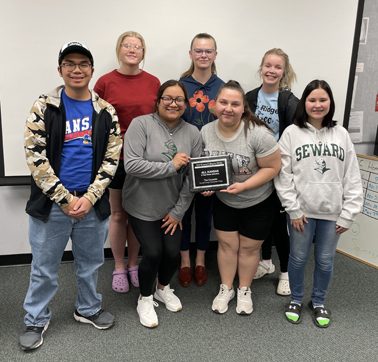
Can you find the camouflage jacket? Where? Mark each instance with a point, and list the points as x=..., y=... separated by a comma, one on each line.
x=43, y=142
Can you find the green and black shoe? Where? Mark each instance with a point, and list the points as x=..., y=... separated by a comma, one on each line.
x=293, y=312
x=320, y=315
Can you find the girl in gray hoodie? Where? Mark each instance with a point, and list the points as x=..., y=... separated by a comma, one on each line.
x=320, y=187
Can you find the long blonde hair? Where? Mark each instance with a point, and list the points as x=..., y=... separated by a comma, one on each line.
x=191, y=68
x=132, y=34
x=289, y=75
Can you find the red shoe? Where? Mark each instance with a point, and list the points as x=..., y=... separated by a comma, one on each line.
x=200, y=275
x=185, y=276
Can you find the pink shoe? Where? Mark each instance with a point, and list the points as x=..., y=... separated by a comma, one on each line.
x=120, y=283
x=133, y=274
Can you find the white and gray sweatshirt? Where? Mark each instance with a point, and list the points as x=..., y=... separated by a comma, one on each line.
x=153, y=187
x=320, y=177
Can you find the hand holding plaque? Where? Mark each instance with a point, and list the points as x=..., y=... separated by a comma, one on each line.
x=210, y=173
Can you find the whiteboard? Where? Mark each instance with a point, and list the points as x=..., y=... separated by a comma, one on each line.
x=361, y=241
x=318, y=36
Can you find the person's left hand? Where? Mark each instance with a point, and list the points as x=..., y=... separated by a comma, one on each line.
x=299, y=224
x=81, y=208
x=170, y=223
x=235, y=188
x=340, y=229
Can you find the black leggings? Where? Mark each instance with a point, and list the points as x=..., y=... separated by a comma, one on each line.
x=160, y=253
x=279, y=235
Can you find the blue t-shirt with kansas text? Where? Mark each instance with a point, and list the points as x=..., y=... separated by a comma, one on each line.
x=77, y=154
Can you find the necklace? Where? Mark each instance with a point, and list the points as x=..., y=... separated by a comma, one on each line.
x=170, y=131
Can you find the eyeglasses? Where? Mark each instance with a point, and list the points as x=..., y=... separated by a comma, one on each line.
x=167, y=100
x=72, y=66
x=137, y=48
x=203, y=51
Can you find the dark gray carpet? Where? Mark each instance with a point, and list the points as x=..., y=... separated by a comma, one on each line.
x=196, y=333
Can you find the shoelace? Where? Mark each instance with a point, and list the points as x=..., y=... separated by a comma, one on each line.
x=153, y=302
x=168, y=292
x=224, y=291
x=245, y=292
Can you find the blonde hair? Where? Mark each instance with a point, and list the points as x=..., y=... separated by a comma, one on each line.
x=289, y=75
x=132, y=34
x=191, y=68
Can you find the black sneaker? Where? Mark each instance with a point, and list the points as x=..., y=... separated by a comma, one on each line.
x=32, y=337
x=100, y=320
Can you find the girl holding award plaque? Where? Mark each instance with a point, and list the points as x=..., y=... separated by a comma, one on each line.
x=156, y=193
x=242, y=211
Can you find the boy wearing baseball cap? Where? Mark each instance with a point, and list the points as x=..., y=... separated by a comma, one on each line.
x=72, y=145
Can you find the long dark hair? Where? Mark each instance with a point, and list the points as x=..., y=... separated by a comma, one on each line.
x=247, y=116
x=167, y=84
x=301, y=116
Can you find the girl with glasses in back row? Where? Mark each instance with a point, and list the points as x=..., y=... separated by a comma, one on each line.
x=202, y=85
x=275, y=104
x=132, y=92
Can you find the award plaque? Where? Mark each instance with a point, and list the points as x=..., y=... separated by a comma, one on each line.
x=210, y=173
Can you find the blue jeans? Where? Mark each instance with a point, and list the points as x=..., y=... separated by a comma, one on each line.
x=323, y=233
x=48, y=241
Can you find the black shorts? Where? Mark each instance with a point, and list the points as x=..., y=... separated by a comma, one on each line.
x=119, y=177
x=254, y=222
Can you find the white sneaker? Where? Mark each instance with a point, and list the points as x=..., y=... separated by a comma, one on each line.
x=244, y=303
x=264, y=269
x=220, y=303
x=283, y=287
x=146, y=312
x=167, y=297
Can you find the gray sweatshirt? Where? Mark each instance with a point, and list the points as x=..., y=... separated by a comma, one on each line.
x=153, y=187
x=319, y=177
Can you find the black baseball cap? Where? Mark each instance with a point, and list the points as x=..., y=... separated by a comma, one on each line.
x=74, y=47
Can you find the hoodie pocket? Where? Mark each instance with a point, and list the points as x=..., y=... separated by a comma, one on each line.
x=322, y=198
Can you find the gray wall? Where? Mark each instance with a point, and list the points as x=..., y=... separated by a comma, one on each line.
x=366, y=89
x=13, y=220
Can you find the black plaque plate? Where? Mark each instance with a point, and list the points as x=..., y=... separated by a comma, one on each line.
x=210, y=173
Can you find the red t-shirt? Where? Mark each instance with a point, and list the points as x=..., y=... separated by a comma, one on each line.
x=130, y=95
